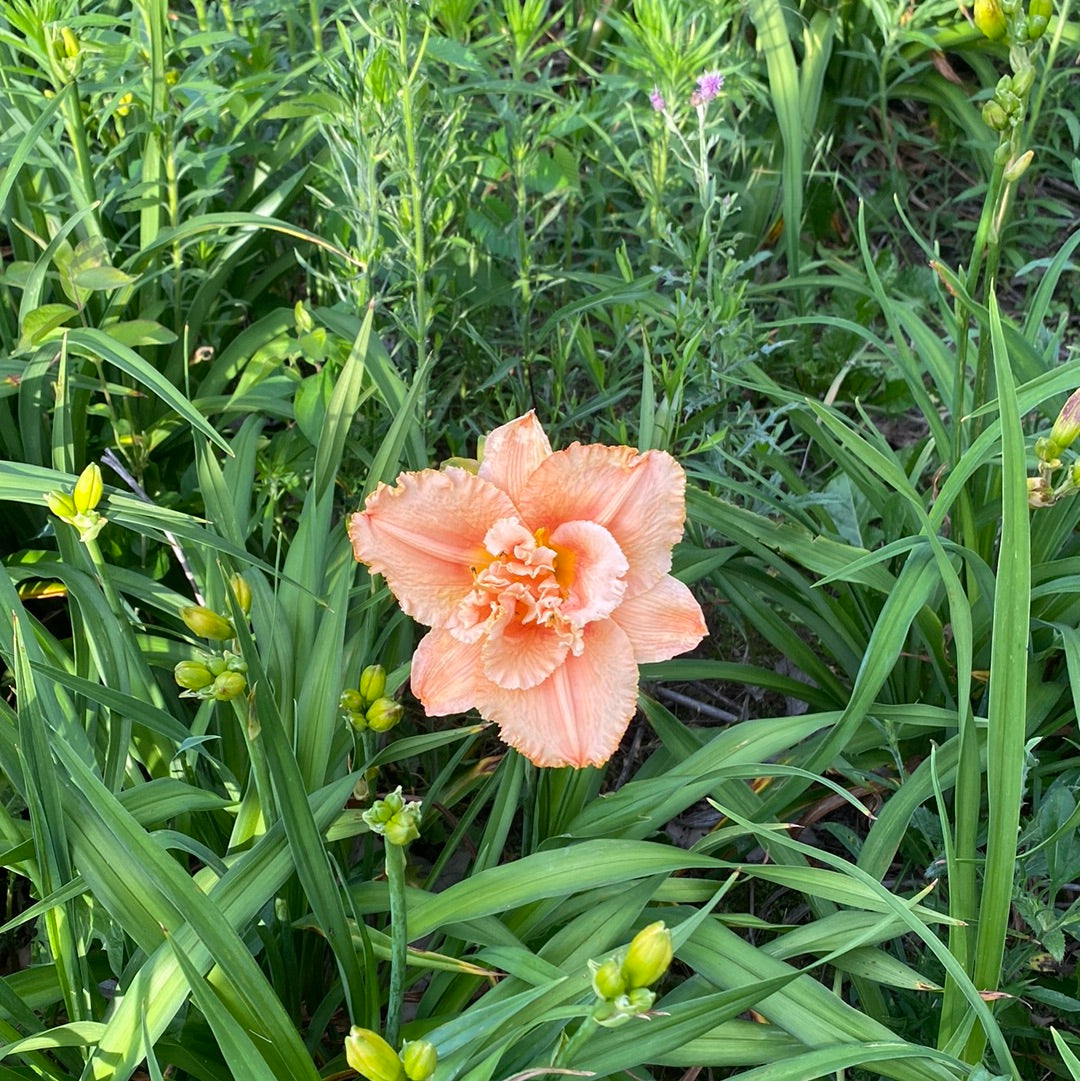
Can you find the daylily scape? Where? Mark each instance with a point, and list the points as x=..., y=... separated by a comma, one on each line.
x=544, y=577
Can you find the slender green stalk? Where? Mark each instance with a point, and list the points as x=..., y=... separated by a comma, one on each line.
x=399, y=938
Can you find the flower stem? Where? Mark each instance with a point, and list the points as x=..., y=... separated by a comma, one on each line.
x=399, y=938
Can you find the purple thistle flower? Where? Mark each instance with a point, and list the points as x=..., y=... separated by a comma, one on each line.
x=709, y=85
x=656, y=99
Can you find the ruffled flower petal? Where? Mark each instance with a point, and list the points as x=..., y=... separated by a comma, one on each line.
x=522, y=655
x=638, y=498
x=425, y=535
x=512, y=453
x=578, y=715
x=591, y=567
x=445, y=674
x=662, y=622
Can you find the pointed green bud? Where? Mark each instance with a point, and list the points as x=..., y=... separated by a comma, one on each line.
x=88, y=489
x=228, y=685
x=419, y=1059
x=608, y=980
x=241, y=591
x=990, y=19
x=383, y=714
x=372, y=683
x=1066, y=427
x=1017, y=167
x=371, y=1056
x=192, y=675
x=206, y=623
x=648, y=956
x=62, y=505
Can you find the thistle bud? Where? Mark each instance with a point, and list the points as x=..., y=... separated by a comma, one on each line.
x=1066, y=427
x=608, y=980
x=419, y=1059
x=88, y=489
x=241, y=591
x=371, y=1056
x=228, y=685
x=383, y=714
x=206, y=623
x=648, y=957
x=990, y=19
x=372, y=683
x=192, y=675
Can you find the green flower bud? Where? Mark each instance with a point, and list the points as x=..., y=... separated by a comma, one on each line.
x=394, y=819
x=372, y=683
x=1048, y=452
x=1017, y=167
x=62, y=505
x=234, y=662
x=383, y=714
x=990, y=19
x=206, y=623
x=351, y=701
x=88, y=489
x=216, y=663
x=192, y=675
x=1066, y=427
x=608, y=980
x=241, y=591
x=419, y=1059
x=228, y=685
x=1023, y=80
x=648, y=957
x=640, y=1000
x=371, y=1056
x=994, y=116
x=1039, y=12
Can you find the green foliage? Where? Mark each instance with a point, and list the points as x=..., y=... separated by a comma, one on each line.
x=255, y=260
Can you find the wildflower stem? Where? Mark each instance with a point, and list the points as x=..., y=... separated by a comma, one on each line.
x=399, y=938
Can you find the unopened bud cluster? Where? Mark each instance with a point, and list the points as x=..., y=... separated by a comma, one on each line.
x=1008, y=21
x=394, y=819
x=220, y=676
x=622, y=983
x=373, y=1058
x=1042, y=491
x=78, y=508
x=368, y=705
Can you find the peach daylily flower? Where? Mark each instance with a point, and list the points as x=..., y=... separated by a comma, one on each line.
x=544, y=578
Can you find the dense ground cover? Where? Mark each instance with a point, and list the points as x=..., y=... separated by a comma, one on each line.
x=257, y=260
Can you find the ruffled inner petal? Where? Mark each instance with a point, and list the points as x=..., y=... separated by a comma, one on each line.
x=426, y=535
x=512, y=452
x=662, y=622
x=577, y=716
x=591, y=567
x=639, y=498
